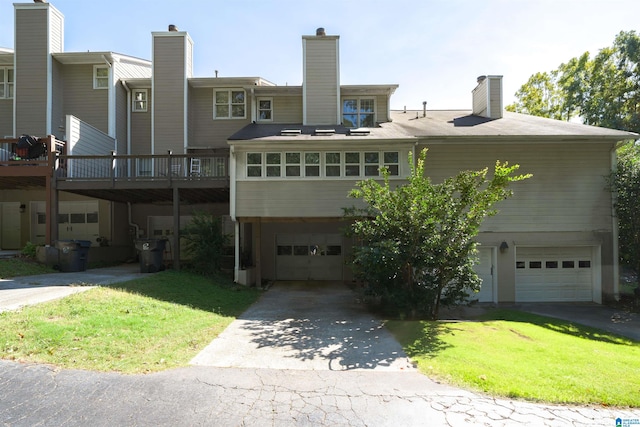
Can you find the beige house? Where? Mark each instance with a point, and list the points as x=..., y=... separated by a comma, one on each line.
x=277, y=162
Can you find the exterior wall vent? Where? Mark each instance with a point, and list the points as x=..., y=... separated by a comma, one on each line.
x=290, y=132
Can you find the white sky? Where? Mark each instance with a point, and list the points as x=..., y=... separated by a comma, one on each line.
x=434, y=49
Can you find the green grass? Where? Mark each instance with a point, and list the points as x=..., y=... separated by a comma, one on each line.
x=158, y=322
x=13, y=267
x=520, y=355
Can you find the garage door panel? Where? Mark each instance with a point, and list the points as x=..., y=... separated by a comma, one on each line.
x=305, y=256
x=554, y=274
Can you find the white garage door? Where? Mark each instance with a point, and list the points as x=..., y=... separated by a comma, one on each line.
x=309, y=257
x=554, y=274
x=484, y=269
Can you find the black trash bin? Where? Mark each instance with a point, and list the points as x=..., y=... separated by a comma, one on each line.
x=73, y=255
x=151, y=254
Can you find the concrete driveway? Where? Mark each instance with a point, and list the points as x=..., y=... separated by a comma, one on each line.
x=307, y=326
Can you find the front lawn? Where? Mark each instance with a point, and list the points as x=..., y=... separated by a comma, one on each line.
x=150, y=324
x=13, y=267
x=521, y=355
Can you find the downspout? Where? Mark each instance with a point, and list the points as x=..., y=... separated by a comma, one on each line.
x=232, y=212
x=131, y=223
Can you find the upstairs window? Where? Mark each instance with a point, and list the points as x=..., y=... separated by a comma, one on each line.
x=358, y=112
x=265, y=109
x=6, y=82
x=229, y=104
x=100, y=77
x=140, y=100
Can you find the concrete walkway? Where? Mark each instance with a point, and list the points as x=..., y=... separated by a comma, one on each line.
x=28, y=290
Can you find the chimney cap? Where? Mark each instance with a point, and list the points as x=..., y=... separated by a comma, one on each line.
x=173, y=27
x=320, y=32
x=481, y=78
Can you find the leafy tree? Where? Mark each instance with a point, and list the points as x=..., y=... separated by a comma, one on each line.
x=602, y=91
x=625, y=182
x=205, y=242
x=417, y=240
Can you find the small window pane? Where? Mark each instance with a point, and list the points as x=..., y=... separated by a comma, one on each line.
x=350, y=106
x=366, y=121
x=273, y=158
x=334, y=250
x=551, y=264
x=78, y=218
x=333, y=170
x=312, y=158
x=237, y=97
x=568, y=264
x=273, y=171
x=285, y=250
x=222, y=97
x=254, y=158
x=301, y=250
x=292, y=158
x=391, y=157
x=351, y=170
x=222, y=111
x=366, y=105
x=293, y=170
x=237, y=110
x=350, y=120
x=254, y=171
x=265, y=104
x=352, y=158
x=102, y=72
x=372, y=158
x=332, y=158
x=521, y=264
x=63, y=218
x=312, y=170
x=265, y=114
x=393, y=170
x=92, y=218
x=584, y=264
x=371, y=170
x=535, y=264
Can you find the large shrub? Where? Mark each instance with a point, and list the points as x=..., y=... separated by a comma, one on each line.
x=206, y=242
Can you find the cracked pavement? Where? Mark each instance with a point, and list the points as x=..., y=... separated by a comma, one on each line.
x=298, y=357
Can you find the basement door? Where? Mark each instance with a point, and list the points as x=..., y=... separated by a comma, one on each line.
x=554, y=274
x=309, y=257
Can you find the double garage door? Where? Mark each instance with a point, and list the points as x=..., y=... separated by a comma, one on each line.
x=309, y=257
x=554, y=274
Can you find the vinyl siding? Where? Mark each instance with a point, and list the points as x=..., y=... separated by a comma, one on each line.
x=82, y=100
x=480, y=99
x=321, y=81
x=205, y=131
x=57, y=100
x=382, y=108
x=169, y=94
x=126, y=69
x=566, y=193
x=495, y=97
x=287, y=109
x=141, y=130
x=6, y=117
x=84, y=139
x=293, y=199
x=56, y=30
x=31, y=58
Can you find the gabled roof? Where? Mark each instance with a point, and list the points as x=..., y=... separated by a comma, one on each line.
x=461, y=124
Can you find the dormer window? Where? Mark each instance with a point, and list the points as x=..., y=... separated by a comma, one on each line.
x=229, y=104
x=100, y=77
x=358, y=112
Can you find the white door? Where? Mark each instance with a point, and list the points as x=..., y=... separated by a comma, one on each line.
x=10, y=221
x=554, y=274
x=78, y=221
x=484, y=269
x=309, y=257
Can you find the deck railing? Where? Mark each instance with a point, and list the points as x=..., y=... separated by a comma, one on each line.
x=145, y=167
